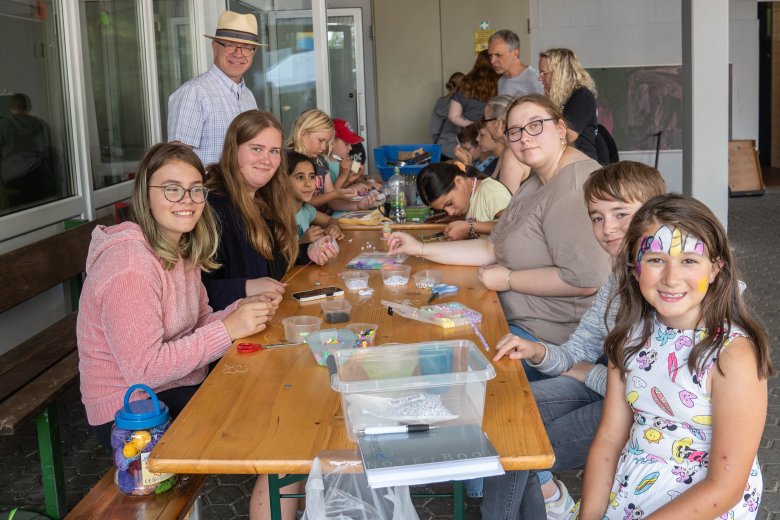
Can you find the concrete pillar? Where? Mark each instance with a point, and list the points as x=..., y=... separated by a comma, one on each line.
x=705, y=56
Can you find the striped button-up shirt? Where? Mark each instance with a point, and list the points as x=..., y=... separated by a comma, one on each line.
x=201, y=110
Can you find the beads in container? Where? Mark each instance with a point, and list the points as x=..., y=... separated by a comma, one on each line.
x=396, y=275
x=355, y=280
x=427, y=278
x=138, y=427
x=365, y=332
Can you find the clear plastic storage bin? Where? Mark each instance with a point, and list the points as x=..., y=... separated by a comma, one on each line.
x=437, y=382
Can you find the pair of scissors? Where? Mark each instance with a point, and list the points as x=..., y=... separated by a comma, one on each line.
x=441, y=288
x=248, y=348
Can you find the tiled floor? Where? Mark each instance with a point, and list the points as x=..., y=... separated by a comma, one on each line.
x=755, y=235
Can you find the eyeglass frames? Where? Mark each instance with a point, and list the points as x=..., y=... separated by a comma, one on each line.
x=515, y=133
x=245, y=50
x=175, y=193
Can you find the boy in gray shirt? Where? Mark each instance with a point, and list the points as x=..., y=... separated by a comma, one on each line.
x=570, y=399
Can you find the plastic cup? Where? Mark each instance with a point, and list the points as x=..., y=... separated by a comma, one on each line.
x=296, y=328
x=396, y=275
x=427, y=278
x=336, y=311
x=365, y=332
x=322, y=343
x=355, y=280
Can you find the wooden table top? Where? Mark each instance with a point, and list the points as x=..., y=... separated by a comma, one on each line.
x=274, y=411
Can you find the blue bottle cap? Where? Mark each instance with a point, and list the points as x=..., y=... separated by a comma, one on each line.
x=140, y=415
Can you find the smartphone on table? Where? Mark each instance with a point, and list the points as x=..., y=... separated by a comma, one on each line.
x=317, y=294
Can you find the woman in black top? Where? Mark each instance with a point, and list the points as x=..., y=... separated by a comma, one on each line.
x=570, y=87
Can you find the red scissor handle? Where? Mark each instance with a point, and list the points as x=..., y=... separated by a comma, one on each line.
x=247, y=348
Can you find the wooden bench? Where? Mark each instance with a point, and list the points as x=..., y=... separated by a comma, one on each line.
x=105, y=501
x=34, y=373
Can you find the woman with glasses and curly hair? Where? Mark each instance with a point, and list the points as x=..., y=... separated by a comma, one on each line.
x=570, y=87
x=541, y=256
x=144, y=316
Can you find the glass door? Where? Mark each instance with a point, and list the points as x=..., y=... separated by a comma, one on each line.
x=290, y=76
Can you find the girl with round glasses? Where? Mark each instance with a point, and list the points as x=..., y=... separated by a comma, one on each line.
x=144, y=316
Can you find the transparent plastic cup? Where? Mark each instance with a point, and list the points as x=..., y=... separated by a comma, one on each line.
x=336, y=311
x=427, y=278
x=365, y=332
x=355, y=280
x=396, y=275
x=296, y=328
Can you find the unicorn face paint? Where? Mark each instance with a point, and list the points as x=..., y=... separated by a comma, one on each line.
x=674, y=273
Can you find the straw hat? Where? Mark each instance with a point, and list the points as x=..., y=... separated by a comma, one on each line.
x=235, y=27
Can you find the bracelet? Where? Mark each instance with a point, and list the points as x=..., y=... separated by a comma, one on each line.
x=509, y=279
x=472, y=232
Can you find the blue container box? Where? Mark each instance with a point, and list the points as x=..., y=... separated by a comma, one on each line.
x=389, y=154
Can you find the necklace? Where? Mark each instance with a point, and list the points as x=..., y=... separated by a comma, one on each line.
x=473, y=187
x=555, y=165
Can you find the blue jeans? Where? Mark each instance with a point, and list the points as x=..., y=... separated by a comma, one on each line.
x=570, y=412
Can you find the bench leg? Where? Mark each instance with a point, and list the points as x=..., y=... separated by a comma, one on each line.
x=51, y=462
x=459, y=497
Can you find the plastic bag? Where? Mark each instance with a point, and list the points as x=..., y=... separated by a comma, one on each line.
x=337, y=490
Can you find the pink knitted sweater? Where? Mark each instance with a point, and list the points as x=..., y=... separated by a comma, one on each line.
x=139, y=323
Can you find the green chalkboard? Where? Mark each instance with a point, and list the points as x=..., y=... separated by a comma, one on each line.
x=634, y=103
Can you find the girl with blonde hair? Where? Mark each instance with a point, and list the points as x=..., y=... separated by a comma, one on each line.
x=312, y=134
x=570, y=87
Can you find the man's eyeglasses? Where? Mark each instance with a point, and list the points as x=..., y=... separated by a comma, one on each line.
x=175, y=193
x=489, y=119
x=515, y=133
x=244, y=50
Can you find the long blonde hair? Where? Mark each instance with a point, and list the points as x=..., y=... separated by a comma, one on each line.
x=269, y=216
x=199, y=245
x=310, y=121
x=567, y=74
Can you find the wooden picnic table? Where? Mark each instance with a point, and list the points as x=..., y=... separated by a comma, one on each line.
x=273, y=411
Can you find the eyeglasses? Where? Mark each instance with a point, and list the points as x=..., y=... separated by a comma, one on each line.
x=175, y=193
x=245, y=50
x=489, y=119
x=515, y=133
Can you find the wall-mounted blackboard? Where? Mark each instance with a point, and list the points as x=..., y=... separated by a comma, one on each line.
x=636, y=102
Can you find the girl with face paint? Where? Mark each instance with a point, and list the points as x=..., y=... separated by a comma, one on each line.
x=685, y=352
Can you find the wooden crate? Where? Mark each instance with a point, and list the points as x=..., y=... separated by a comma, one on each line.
x=744, y=169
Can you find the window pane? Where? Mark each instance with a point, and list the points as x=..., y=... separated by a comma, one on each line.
x=282, y=74
x=174, y=50
x=116, y=106
x=34, y=154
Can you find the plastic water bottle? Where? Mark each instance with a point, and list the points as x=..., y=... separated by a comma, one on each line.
x=397, y=196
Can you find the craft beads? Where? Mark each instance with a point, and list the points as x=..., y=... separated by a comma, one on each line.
x=131, y=448
x=355, y=283
x=336, y=316
x=425, y=284
x=397, y=280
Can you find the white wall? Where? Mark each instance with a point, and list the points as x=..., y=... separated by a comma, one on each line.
x=623, y=33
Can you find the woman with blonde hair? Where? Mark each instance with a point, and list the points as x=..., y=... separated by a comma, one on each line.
x=257, y=217
x=570, y=87
x=469, y=99
x=312, y=134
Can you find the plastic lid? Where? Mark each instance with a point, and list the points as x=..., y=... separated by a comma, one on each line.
x=146, y=413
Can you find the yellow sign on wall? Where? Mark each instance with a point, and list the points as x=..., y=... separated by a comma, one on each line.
x=481, y=40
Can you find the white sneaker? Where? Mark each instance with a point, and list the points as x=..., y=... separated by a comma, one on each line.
x=561, y=509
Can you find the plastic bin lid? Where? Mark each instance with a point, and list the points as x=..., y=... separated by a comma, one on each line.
x=407, y=366
x=143, y=414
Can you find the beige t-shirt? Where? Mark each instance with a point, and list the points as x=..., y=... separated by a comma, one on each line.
x=490, y=198
x=547, y=225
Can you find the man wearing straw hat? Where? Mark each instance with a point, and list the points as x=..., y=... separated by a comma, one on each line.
x=200, y=111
